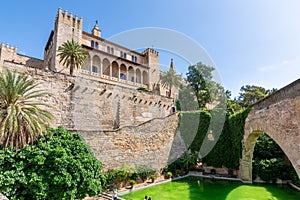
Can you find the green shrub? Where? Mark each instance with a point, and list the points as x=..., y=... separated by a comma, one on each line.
x=110, y=178
x=169, y=174
x=132, y=183
x=58, y=166
x=295, y=177
x=183, y=164
x=142, y=89
x=268, y=161
x=124, y=174
x=269, y=169
x=145, y=172
x=153, y=177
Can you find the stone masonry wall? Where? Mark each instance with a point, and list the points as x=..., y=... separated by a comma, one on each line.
x=9, y=54
x=151, y=144
x=122, y=125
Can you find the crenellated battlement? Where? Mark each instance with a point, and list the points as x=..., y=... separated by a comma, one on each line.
x=69, y=19
x=150, y=51
x=9, y=47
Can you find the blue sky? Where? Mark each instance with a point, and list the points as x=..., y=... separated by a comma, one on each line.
x=254, y=42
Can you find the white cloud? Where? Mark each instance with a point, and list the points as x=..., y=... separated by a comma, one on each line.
x=285, y=65
x=278, y=75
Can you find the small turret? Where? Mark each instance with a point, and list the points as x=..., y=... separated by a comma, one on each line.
x=172, y=64
x=96, y=31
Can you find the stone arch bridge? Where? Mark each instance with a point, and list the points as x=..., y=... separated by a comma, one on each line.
x=278, y=115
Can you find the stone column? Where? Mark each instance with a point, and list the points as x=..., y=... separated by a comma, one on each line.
x=110, y=70
x=100, y=68
x=119, y=73
x=134, y=75
x=246, y=166
x=91, y=67
x=142, y=79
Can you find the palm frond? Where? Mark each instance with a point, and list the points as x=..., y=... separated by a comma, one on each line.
x=22, y=118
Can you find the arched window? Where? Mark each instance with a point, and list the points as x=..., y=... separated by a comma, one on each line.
x=145, y=78
x=96, y=45
x=122, y=76
x=106, y=67
x=132, y=58
x=108, y=49
x=96, y=64
x=123, y=72
x=95, y=69
x=138, y=76
x=130, y=74
x=92, y=44
x=124, y=55
x=112, y=50
x=135, y=59
x=87, y=64
x=115, y=69
x=121, y=54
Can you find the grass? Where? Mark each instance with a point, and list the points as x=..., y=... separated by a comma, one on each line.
x=205, y=189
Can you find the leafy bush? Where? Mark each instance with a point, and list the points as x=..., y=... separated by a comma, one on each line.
x=183, y=164
x=268, y=161
x=153, y=177
x=142, y=89
x=58, y=166
x=110, y=179
x=132, y=183
x=145, y=172
x=269, y=169
x=169, y=174
x=295, y=178
x=124, y=174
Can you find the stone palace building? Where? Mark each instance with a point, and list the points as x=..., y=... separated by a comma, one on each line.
x=106, y=61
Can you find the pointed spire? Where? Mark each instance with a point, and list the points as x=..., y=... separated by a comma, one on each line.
x=172, y=64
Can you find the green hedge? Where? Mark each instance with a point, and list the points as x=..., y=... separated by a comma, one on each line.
x=228, y=149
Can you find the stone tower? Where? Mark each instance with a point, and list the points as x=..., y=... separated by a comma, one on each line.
x=152, y=59
x=66, y=27
x=7, y=52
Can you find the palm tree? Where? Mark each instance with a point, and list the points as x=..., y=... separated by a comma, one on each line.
x=71, y=54
x=170, y=79
x=22, y=119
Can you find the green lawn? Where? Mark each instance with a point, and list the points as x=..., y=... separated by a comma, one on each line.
x=205, y=189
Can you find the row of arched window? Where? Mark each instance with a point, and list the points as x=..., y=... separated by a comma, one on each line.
x=113, y=69
x=111, y=51
x=133, y=58
x=94, y=44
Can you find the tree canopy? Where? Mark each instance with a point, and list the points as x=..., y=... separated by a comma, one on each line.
x=249, y=94
x=71, y=54
x=170, y=79
x=59, y=166
x=206, y=90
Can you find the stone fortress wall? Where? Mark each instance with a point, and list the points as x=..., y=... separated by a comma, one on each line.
x=122, y=125
x=9, y=53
